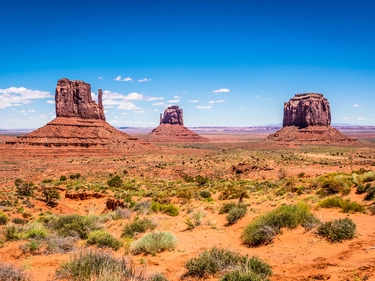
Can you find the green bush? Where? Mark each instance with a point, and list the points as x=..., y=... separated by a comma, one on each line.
x=345, y=204
x=334, y=183
x=264, y=228
x=370, y=193
x=153, y=243
x=337, y=230
x=158, y=277
x=218, y=260
x=138, y=226
x=72, y=225
x=75, y=176
x=19, y=221
x=98, y=266
x=3, y=218
x=372, y=209
x=226, y=207
x=115, y=181
x=12, y=232
x=205, y=194
x=103, y=239
x=168, y=209
x=24, y=188
x=63, y=178
x=12, y=273
x=236, y=213
x=36, y=230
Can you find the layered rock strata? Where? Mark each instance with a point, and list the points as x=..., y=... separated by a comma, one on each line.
x=307, y=118
x=172, y=129
x=79, y=122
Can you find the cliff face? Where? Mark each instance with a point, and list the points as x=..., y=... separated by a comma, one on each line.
x=306, y=110
x=73, y=99
x=172, y=115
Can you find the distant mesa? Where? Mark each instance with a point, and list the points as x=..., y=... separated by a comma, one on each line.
x=307, y=118
x=172, y=129
x=79, y=121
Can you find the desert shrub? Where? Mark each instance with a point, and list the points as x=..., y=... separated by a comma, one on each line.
x=201, y=180
x=372, y=209
x=226, y=207
x=56, y=244
x=264, y=228
x=138, y=226
x=115, y=181
x=205, y=194
x=368, y=176
x=63, y=178
x=362, y=188
x=334, y=183
x=195, y=219
x=36, y=230
x=370, y=193
x=153, y=243
x=250, y=269
x=75, y=176
x=119, y=214
x=142, y=207
x=218, y=260
x=32, y=246
x=72, y=225
x=282, y=173
x=158, y=277
x=51, y=195
x=24, y=188
x=337, y=230
x=345, y=204
x=11, y=273
x=19, y=221
x=236, y=213
x=168, y=209
x=102, y=238
x=3, y=218
x=12, y=232
x=98, y=266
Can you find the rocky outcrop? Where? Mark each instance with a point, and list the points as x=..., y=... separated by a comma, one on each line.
x=307, y=119
x=80, y=122
x=172, y=115
x=73, y=99
x=307, y=110
x=172, y=129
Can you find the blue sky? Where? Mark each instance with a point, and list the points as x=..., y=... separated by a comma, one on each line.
x=226, y=63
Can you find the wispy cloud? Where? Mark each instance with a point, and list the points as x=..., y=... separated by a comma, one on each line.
x=204, y=107
x=216, y=101
x=125, y=101
x=360, y=119
x=144, y=80
x=174, y=101
x=177, y=97
x=193, y=100
x=159, y=103
x=356, y=105
x=127, y=79
x=221, y=90
x=14, y=96
x=101, y=77
x=257, y=96
x=50, y=102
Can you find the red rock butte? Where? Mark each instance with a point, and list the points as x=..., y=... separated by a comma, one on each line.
x=79, y=122
x=307, y=118
x=172, y=129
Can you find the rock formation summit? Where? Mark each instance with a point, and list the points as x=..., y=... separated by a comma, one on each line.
x=307, y=118
x=172, y=129
x=79, y=122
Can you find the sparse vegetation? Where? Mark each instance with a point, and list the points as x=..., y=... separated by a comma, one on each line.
x=337, y=230
x=235, y=212
x=3, y=218
x=115, y=182
x=153, y=243
x=168, y=209
x=102, y=238
x=11, y=273
x=138, y=226
x=24, y=188
x=345, y=204
x=264, y=228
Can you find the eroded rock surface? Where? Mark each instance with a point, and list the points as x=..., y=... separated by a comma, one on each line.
x=307, y=110
x=172, y=115
x=73, y=99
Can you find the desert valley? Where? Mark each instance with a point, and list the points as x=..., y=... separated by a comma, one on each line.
x=81, y=200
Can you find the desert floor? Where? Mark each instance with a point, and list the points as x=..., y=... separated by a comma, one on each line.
x=165, y=173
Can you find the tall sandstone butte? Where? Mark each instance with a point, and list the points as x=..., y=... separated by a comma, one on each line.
x=307, y=118
x=73, y=99
x=79, y=122
x=172, y=129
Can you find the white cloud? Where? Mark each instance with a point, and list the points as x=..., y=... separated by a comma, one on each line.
x=159, y=104
x=360, y=119
x=14, y=96
x=101, y=77
x=173, y=101
x=356, y=105
x=125, y=101
x=222, y=90
x=203, y=107
x=256, y=96
x=153, y=98
x=144, y=80
x=50, y=102
x=118, y=78
x=177, y=97
x=193, y=100
x=127, y=79
x=242, y=109
x=216, y=101
x=347, y=118
x=128, y=105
